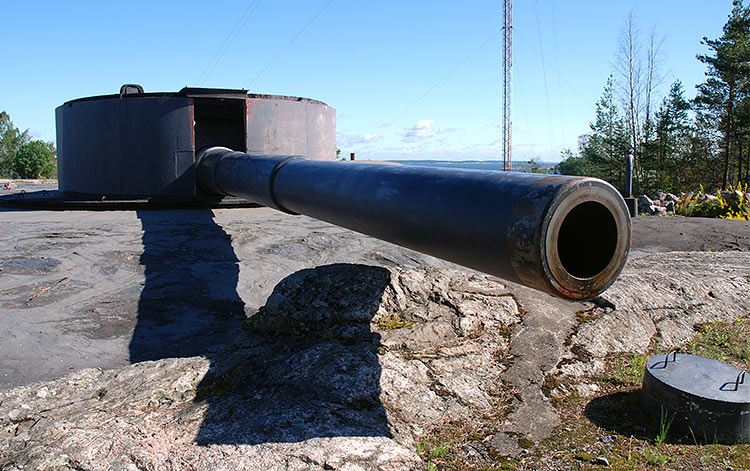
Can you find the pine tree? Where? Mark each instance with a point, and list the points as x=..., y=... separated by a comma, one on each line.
x=607, y=144
x=601, y=153
x=725, y=94
x=672, y=141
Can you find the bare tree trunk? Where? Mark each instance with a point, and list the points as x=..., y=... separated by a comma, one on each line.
x=725, y=167
x=653, y=80
x=739, y=161
x=728, y=137
x=629, y=67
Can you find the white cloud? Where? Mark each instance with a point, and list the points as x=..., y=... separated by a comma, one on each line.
x=424, y=129
x=349, y=140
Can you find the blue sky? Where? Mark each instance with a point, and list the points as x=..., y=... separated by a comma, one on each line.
x=409, y=79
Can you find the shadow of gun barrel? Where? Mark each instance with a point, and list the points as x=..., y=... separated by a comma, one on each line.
x=568, y=236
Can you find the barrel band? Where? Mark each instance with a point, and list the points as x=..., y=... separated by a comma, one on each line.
x=272, y=179
x=208, y=159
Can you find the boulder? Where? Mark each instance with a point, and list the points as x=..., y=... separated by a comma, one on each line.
x=644, y=204
x=656, y=210
x=644, y=200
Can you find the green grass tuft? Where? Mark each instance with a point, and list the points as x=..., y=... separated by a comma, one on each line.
x=392, y=322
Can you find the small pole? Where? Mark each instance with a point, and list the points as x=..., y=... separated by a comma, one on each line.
x=351, y=156
x=629, y=161
x=630, y=202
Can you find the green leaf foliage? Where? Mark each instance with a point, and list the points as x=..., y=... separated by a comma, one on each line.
x=21, y=157
x=34, y=159
x=11, y=138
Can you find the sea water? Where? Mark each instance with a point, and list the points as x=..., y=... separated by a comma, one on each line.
x=546, y=167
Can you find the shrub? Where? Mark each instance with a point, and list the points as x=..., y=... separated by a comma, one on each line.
x=34, y=159
x=732, y=204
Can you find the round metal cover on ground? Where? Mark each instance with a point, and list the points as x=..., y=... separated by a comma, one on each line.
x=706, y=400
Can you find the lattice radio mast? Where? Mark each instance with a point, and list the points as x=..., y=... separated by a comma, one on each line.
x=507, y=83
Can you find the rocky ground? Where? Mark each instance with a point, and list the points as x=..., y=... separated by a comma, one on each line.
x=250, y=339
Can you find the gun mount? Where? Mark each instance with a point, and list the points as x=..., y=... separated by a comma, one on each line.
x=568, y=236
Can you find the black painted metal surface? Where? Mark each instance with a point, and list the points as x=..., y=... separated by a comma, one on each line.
x=568, y=236
x=706, y=400
x=135, y=145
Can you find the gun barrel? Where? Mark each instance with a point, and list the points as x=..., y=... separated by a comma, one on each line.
x=568, y=236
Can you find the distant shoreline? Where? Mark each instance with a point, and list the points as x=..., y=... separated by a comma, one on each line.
x=547, y=167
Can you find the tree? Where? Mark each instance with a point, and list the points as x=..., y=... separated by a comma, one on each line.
x=573, y=164
x=629, y=68
x=34, y=159
x=607, y=144
x=11, y=138
x=653, y=79
x=638, y=76
x=725, y=95
x=685, y=143
x=535, y=165
x=703, y=152
x=663, y=158
x=601, y=153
